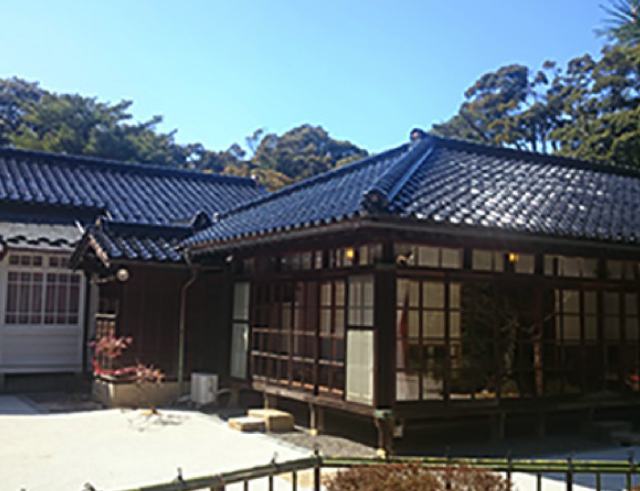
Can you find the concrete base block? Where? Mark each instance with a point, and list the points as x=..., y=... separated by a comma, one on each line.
x=247, y=423
x=136, y=395
x=274, y=419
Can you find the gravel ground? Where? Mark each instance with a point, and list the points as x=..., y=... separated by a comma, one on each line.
x=333, y=446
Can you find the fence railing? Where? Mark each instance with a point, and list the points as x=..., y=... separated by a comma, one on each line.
x=568, y=470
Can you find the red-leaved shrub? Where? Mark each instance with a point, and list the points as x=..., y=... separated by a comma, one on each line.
x=414, y=477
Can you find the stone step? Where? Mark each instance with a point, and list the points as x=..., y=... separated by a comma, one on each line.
x=247, y=424
x=274, y=419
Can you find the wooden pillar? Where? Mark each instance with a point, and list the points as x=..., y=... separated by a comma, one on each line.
x=316, y=419
x=385, y=325
x=384, y=423
x=270, y=401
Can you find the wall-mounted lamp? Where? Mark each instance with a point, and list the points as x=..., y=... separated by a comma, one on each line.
x=122, y=275
x=350, y=253
x=513, y=257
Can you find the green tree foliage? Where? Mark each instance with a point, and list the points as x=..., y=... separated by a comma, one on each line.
x=622, y=23
x=587, y=110
x=15, y=95
x=302, y=152
x=34, y=118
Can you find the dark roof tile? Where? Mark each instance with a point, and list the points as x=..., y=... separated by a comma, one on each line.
x=456, y=184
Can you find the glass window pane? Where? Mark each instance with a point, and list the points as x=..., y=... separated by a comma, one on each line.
x=611, y=303
x=591, y=328
x=241, y=301
x=631, y=328
x=325, y=294
x=408, y=293
x=571, y=326
x=481, y=260
x=359, y=384
x=525, y=264
x=549, y=262
x=454, y=325
x=614, y=269
x=407, y=387
x=590, y=302
x=325, y=321
x=408, y=324
x=340, y=293
x=367, y=292
x=590, y=268
x=239, y=347
x=433, y=295
x=498, y=261
x=570, y=266
x=571, y=301
x=612, y=328
x=631, y=304
x=433, y=324
x=454, y=296
x=428, y=256
x=451, y=258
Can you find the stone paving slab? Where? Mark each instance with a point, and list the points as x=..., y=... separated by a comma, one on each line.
x=16, y=405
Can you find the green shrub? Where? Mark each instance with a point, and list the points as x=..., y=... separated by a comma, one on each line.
x=414, y=477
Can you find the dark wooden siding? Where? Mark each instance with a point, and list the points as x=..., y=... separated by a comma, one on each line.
x=148, y=310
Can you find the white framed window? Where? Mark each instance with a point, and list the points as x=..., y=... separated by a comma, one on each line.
x=359, y=386
x=41, y=290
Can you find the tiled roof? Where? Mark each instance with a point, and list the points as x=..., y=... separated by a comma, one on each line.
x=133, y=193
x=456, y=184
x=123, y=241
x=39, y=235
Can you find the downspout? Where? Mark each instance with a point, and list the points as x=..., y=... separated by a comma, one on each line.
x=183, y=320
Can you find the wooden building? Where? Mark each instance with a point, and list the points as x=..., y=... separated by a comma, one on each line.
x=439, y=279
x=47, y=311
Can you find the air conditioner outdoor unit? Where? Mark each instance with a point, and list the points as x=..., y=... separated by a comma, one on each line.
x=204, y=388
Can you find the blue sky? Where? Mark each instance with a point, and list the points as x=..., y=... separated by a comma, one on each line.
x=367, y=71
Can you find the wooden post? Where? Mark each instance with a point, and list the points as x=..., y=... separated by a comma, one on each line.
x=270, y=401
x=316, y=419
x=384, y=422
x=313, y=419
x=384, y=321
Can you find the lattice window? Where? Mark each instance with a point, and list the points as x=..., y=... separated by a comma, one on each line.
x=41, y=291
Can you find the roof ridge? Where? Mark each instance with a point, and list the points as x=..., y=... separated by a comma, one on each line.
x=120, y=226
x=128, y=166
x=323, y=176
x=609, y=168
x=390, y=183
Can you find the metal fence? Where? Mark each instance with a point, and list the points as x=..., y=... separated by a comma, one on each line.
x=595, y=474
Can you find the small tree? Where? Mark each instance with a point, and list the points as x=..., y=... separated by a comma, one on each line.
x=108, y=365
